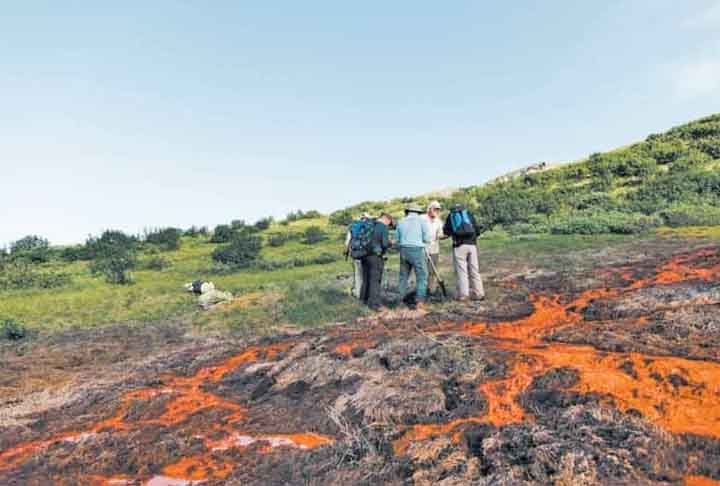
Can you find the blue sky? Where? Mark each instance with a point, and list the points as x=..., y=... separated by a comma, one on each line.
x=143, y=114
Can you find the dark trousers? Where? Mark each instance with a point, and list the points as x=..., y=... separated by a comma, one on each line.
x=372, y=266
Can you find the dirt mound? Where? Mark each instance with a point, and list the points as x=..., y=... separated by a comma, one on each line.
x=563, y=381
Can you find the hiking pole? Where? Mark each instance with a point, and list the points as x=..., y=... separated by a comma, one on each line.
x=434, y=269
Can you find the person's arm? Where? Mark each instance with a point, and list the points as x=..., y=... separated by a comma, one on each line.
x=426, y=235
x=447, y=229
x=385, y=238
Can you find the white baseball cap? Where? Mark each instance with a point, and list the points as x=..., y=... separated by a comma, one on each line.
x=434, y=205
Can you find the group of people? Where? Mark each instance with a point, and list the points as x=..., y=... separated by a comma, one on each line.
x=418, y=237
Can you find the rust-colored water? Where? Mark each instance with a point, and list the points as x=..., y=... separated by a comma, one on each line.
x=347, y=347
x=700, y=481
x=679, y=395
x=186, y=398
x=692, y=405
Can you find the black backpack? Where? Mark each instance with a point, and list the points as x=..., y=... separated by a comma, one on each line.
x=361, y=238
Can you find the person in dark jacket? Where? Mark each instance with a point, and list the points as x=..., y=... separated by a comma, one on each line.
x=461, y=225
x=373, y=264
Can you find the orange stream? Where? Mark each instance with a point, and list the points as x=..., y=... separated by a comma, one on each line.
x=700, y=481
x=186, y=399
x=692, y=408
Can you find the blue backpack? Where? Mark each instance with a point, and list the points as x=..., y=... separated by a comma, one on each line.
x=361, y=235
x=461, y=224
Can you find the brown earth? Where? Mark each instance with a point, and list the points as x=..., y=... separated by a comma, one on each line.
x=605, y=374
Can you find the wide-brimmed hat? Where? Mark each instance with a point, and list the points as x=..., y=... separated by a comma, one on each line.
x=413, y=208
x=365, y=215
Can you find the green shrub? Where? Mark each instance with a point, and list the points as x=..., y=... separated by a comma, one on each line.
x=324, y=259
x=343, y=217
x=157, y=263
x=223, y=233
x=75, y=253
x=711, y=147
x=195, y=231
x=594, y=223
x=238, y=224
x=18, y=275
x=32, y=248
x=12, y=330
x=690, y=215
x=313, y=235
x=114, y=256
x=298, y=215
x=527, y=228
x=166, y=239
x=264, y=223
x=242, y=251
x=278, y=239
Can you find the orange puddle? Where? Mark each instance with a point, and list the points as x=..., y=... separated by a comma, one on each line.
x=691, y=407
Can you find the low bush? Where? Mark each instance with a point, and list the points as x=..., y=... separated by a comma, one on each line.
x=12, y=330
x=75, y=253
x=279, y=239
x=114, y=256
x=166, y=239
x=264, y=223
x=237, y=224
x=343, y=217
x=157, y=263
x=299, y=215
x=242, y=251
x=593, y=223
x=223, y=233
x=691, y=215
x=195, y=231
x=32, y=248
x=322, y=259
x=314, y=235
x=19, y=275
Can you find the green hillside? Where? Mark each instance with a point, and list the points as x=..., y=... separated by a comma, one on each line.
x=668, y=179
x=300, y=278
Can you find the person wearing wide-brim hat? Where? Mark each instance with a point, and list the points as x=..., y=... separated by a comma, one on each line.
x=413, y=234
x=432, y=216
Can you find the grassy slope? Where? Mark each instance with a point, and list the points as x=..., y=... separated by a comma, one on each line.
x=633, y=173
x=314, y=294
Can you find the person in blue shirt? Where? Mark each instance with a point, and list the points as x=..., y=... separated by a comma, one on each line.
x=413, y=235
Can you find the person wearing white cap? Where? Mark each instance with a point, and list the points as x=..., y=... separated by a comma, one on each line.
x=357, y=263
x=436, y=234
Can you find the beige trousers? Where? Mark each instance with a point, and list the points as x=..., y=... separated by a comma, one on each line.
x=357, y=278
x=467, y=271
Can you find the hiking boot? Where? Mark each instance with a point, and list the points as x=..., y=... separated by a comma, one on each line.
x=478, y=298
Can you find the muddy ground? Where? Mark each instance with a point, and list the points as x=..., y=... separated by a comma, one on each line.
x=606, y=371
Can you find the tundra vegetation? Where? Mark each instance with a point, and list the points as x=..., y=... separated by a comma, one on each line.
x=666, y=184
